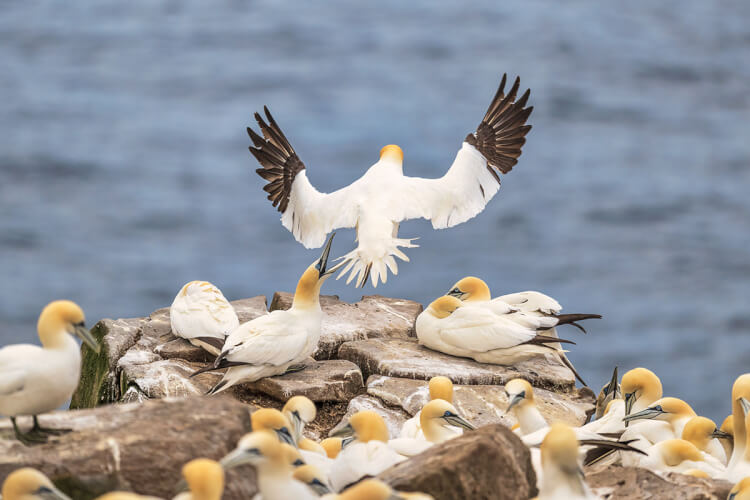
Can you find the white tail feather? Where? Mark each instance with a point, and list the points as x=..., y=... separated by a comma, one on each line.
x=361, y=263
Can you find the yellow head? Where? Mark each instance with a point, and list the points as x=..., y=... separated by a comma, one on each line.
x=520, y=394
x=366, y=425
x=436, y=416
x=256, y=448
x=741, y=490
x=30, y=484
x=270, y=419
x=560, y=447
x=393, y=153
x=728, y=425
x=307, y=294
x=332, y=446
x=308, y=444
x=300, y=411
x=471, y=289
x=311, y=476
x=676, y=451
x=441, y=388
x=443, y=306
x=667, y=409
x=700, y=431
x=291, y=455
x=205, y=478
x=61, y=317
x=740, y=389
x=640, y=383
x=369, y=489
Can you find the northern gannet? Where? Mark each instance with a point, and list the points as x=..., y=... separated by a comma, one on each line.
x=367, y=455
x=30, y=484
x=739, y=463
x=674, y=411
x=383, y=197
x=678, y=455
x=313, y=478
x=522, y=406
x=610, y=392
x=202, y=315
x=438, y=419
x=274, y=462
x=205, y=478
x=332, y=446
x=741, y=490
x=479, y=333
x=277, y=342
x=272, y=420
x=36, y=380
x=374, y=489
x=562, y=476
x=727, y=427
x=301, y=411
x=439, y=388
x=704, y=434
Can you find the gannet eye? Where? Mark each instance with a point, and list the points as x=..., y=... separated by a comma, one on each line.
x=448, y=414
x=658, y=408
x=43, y=490
x=298, y=462
x=317, y=482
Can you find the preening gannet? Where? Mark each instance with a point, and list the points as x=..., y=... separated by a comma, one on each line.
x=313, y=478
x=367, y=455
x=30, y=484
x=383, y=197
x=739, y=463
x=440, y=388
x=704, y=434
x=610, y=392
x=272, y=420
x=438, y=419
x=741, y=490
x=272, y=344
x=274, y=462
x=479, y=333
x=205, y=478
x=202, y=315
x=36, y=380
x=522, y=406
x=562, y=476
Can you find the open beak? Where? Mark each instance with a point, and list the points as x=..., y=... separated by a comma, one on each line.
x=239, y=456
x=323, y=261
x=648, y=413
x=612, y=387
x=719, y=434
x=515, y=400
x=344, y=432
x=629, y=401
x=457, y=421
x=84, y=334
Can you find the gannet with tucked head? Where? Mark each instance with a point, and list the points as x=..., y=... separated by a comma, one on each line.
x=704, y=434
x=36, y=380
x=30, y=484
x=383, y=197
x=205, y=478
x=313, y=478
x=332, y=446
x=522, y=406
x=478, y=333
x=202, y=315
x=367, y=455
x=374, y=489
x=741, y=490
x=274, y=462
x=678, y=455
x=438, y=419
x=272, y=344
x=439, y=388
x=562, y=476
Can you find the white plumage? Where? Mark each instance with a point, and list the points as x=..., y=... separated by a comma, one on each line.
x=202, y=315
x=383, y=197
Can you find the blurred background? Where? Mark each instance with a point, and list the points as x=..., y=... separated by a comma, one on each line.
x=124, y=169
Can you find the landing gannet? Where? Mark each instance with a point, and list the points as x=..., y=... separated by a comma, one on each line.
x=367, y=455
x=521, y=404
x=202, y=315
x=282, y=340
x=272, y=420
x=313, y=478
x=383, y=197
x=741, y=490
x=36, y=380
x=562, y=476
x=479, y=333
x=438, y=418
x=704, y=434
x=440, y=388
x=739, y=463
x=205, y=478
x=273, y=461
x=374, y=489
x=30, y=484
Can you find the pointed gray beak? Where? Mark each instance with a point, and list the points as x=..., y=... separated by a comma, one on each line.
x=322, y=264
x=648, y=413
x=285, y=436
x=298, y=425
x=515, y=400
x=719, y=434
x=50, y=493
x=345, y=431
x=457, y=421
x=745, y=405
x=181, y=486
x=612, y=388
x=84, y=334
x=319, y=487
x=239, y=456
x=629, y=401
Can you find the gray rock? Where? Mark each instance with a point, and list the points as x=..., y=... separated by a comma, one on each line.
x=372, y=317
x=482, y=404
x=138, y=447
x=628, y=483
x=404, y=358
x=394, y=417
x=327, y=380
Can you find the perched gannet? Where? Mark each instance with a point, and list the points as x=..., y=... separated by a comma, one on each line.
x=478, y=333
x=739, y=463
x=562, y=475
x=741, y=490
x=272, y=420
x=282, y=340
x=438, y=418
x=332, y=446
x=727, y=427
x=383, y=197
x=300, y=411
x=30, y=484
x=312, y=477
x=521, y=405
x=678, y=455
x=367, y=455
x=202, y=315
x=610, y=392
x=36, y=380
x=274, y=463
x=704, y=434
x=674, y=411
x=439, y=388
x=205, y=478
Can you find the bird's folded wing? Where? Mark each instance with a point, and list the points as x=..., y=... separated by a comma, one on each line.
x=309, y=214
x=473, y=179
x=481, y=330
x=270, y=346
x=532, y=301
x=12, y=379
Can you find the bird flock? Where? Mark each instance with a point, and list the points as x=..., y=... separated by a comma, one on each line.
x=634, y=425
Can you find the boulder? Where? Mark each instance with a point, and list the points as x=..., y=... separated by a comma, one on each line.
x=489, y=463
x=372, y=317
x=629, y=483
x=327, y=380
x=483, y=404
x=405, y=358
x=394, y=417
x=138, y=447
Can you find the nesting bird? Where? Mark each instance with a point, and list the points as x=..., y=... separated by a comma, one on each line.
x=438, y=419
x=703, y=433
x=383, y=197
x=439, y=388
x=562, y=475
x=35, y=380
x=202, y=315
x=30, y=484
x=205, y=478
x=277, y=342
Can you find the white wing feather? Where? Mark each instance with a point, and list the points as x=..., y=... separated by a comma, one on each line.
x=480, y=330
x=267, y=340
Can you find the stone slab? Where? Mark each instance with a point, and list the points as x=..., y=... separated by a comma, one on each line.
x=629, y=483
x=327, y=380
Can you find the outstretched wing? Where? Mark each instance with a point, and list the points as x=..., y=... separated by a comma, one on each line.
x=473, y=179
x=309, y=214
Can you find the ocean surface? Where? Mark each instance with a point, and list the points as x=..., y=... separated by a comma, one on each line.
x=124, y=169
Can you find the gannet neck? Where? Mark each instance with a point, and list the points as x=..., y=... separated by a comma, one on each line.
x=471, y=289
x=740, y=389
x=561, y=470
x=56, y=321
x=205, y=478
x=529, y=417
x=307, y=294
x=441, y=388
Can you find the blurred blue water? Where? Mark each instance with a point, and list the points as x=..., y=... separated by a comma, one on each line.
x=124, y=169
